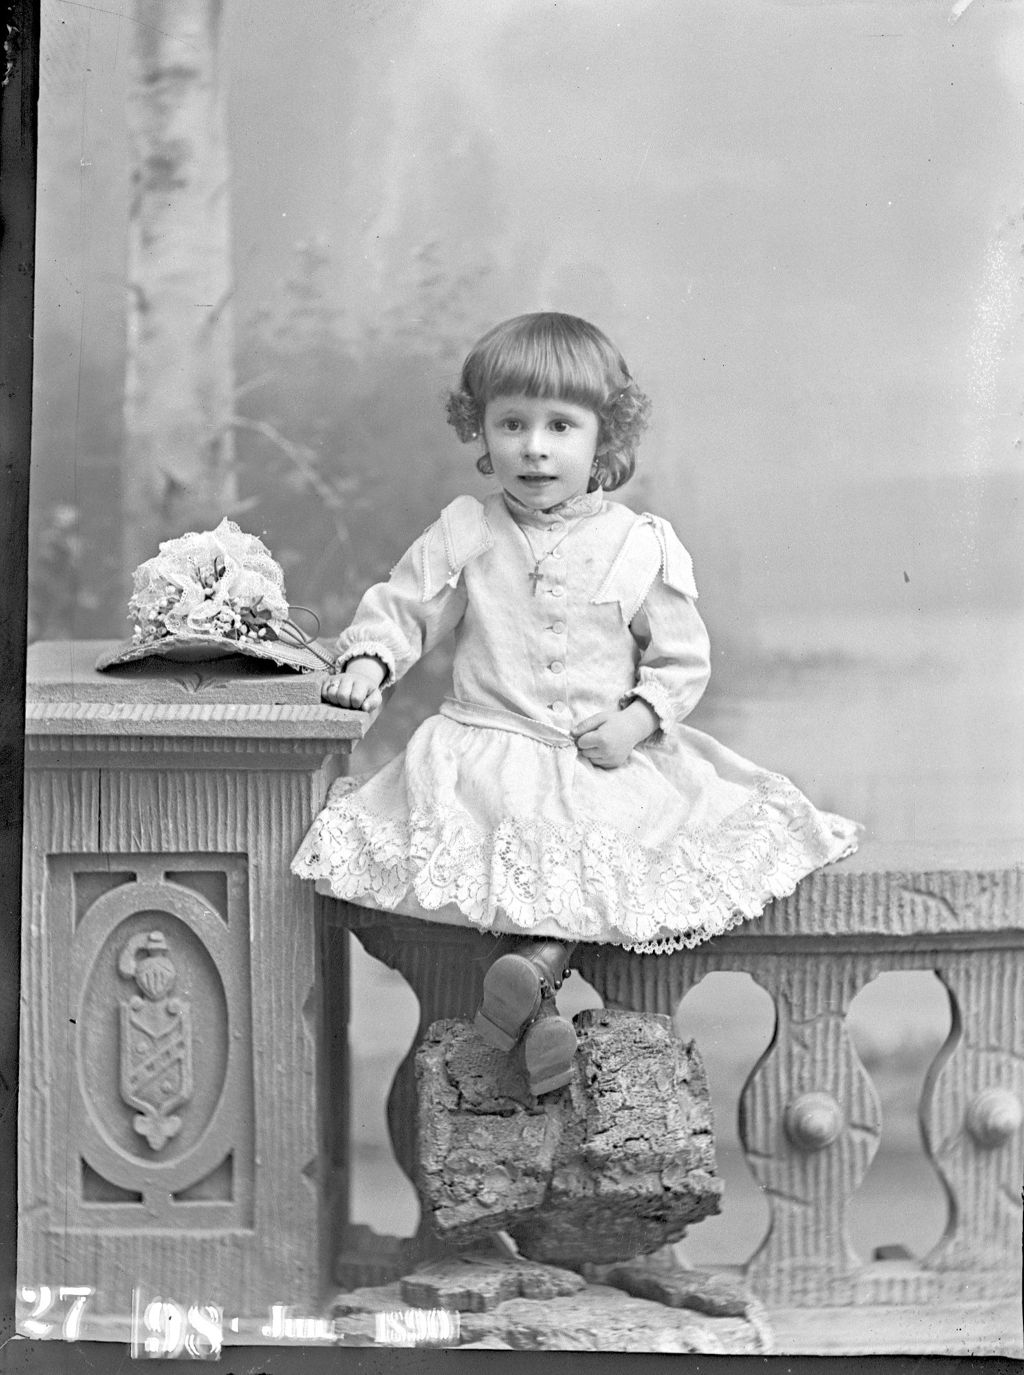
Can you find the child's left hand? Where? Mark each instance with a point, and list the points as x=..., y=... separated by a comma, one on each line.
x=608, y=738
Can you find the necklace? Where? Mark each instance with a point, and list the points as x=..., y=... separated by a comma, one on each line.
x=535, y=575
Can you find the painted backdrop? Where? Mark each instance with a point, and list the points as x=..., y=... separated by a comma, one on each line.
x=802, y=222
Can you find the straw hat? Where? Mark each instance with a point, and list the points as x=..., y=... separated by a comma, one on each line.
x=211, y=594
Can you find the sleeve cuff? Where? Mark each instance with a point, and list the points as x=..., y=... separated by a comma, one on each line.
x=660, y=702
x=367, y=649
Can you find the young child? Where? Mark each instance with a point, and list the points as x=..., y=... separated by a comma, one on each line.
x=556, y=796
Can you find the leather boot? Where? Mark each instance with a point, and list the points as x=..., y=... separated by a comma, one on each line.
x=514, y=987
x=549, y=1048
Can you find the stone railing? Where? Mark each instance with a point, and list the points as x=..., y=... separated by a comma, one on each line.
x=184, y=1084
x=810, y=1118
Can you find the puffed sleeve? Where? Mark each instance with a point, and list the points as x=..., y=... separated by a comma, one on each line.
x=424, y=598
x=675, y=659
x=651, y=578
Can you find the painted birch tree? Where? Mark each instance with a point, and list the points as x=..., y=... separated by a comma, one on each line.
x=179, y=470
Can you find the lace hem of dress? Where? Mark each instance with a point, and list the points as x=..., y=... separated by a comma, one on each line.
x=595, y=882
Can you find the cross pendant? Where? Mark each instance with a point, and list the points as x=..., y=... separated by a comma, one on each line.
x=535, y=577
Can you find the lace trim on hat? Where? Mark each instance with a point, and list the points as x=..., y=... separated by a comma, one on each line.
x=222, y=584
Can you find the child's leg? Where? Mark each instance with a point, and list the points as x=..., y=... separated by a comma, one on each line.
x=514, y=987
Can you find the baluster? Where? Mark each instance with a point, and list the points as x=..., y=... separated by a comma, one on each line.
x=444, y=966
x=641, y=983
x=809, y=1123
x=446, y=974
x=971, y=1114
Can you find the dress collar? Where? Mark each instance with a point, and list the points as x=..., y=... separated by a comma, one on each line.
x=586, y=504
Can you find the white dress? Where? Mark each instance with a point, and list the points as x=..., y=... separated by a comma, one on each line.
x=491, y=818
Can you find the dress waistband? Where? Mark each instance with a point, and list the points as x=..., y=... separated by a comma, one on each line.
x=495, y=718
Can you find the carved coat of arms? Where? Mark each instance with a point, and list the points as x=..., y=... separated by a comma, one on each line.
x=156, y=1040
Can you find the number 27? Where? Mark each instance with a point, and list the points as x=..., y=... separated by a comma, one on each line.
x=42, y=1299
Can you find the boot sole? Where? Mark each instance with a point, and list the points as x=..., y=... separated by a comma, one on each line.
x=557, y=1081
x=512, y=996
x=549, y=1050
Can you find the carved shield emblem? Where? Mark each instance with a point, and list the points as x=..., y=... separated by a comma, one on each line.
x=156, y=1040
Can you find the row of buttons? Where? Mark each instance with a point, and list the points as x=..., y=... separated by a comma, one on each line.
x=557, y=667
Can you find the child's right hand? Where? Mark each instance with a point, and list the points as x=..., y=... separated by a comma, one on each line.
x=357, y=688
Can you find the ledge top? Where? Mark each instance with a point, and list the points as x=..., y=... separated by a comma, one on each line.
x=879, y=856
x=65, y=694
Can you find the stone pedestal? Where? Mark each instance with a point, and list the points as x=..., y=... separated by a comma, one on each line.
x=172, y=1132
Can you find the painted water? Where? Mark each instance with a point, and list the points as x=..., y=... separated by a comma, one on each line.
x=912, y=725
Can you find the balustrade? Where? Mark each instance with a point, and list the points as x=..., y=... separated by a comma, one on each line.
x=162, y=806
x=810, y=1118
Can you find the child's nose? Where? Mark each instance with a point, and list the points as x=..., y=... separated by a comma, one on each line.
x=536, y=443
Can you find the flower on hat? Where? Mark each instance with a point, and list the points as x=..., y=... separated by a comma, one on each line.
x=222, y=583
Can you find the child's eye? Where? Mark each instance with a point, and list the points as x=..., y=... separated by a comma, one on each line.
x=511, y=425
x=560, y=426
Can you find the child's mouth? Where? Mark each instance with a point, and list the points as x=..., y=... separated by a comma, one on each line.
x=536, y=479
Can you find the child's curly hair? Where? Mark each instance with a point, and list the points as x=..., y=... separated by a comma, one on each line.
x=550, y=354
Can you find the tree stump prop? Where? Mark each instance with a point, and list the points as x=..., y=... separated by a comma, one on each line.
x=615, y=1165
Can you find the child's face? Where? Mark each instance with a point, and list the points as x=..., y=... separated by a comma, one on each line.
x=542, y=449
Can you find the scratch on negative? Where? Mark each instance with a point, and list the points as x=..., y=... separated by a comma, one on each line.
x=959, y=9
x=786, y=1197
x=120, y=14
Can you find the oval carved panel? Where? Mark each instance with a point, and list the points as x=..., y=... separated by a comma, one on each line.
x=152, y=1026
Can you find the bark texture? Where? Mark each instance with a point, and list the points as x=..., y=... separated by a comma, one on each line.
x=614, y=1166
x=179, y=383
